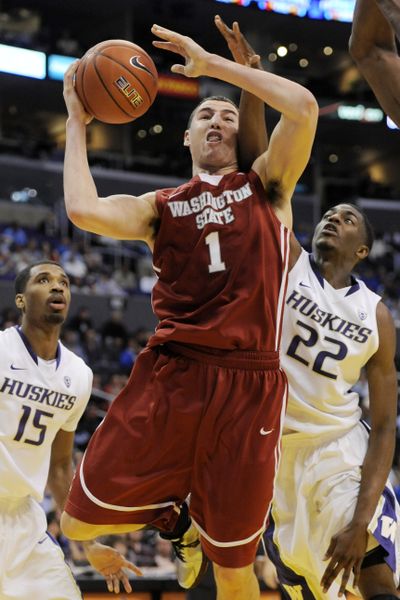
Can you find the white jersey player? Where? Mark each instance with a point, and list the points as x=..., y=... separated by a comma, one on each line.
x=335, y=515
x=44, y=389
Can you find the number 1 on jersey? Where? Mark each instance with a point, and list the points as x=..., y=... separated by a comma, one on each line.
x=216, y=264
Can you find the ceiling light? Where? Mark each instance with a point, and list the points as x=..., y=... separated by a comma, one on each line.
x=333, y=158
x=328, y=50
x=272, y=57
x=303, y=62
x=293, y=47
x=282, y=51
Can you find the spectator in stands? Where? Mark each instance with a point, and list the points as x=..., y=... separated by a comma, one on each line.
x=81, y=321
x=125, y=277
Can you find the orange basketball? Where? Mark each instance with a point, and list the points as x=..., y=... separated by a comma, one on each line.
x=116, y=81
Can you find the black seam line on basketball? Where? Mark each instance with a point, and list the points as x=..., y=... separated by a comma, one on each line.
x=108, y=92
x=124, y=45
x=129, y=71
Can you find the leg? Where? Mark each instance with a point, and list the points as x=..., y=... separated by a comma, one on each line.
x=236, y=584
x=81, y=531
x=372, y=46
x=377, y=580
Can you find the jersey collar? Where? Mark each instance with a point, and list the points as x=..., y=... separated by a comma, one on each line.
x=354, y=283
x=30, y=349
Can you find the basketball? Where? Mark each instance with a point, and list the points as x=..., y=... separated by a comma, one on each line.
x=116, y=81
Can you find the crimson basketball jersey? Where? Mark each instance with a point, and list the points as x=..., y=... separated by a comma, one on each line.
x=221, y=259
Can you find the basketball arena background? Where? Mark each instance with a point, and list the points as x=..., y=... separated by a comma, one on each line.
x=355, y=158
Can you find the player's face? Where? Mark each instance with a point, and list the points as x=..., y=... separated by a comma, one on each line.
x=47, y=295
x=341, y=229
x=212, y=136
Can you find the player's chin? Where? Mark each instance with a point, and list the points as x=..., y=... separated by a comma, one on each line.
x=56, y=318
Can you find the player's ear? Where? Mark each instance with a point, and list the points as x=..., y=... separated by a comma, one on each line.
x=19, y=301
x=186, y=138
x=362, y=252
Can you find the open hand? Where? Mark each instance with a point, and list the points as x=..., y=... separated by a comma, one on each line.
x=240, y=48
x=111, y=564
x=195, y=56
x=346, y=553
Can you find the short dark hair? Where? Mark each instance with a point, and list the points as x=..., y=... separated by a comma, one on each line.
x=22, y=277
x=368, y=229
x=219, y=98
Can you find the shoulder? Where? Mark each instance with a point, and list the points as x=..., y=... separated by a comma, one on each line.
x=8, y=337
x=79, y=365
x=383, y=315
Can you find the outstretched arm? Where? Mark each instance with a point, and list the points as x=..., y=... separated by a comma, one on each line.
x=372, y=46
x=347, y=548
x=253, y=136
x=292, y=139
x=119, y=216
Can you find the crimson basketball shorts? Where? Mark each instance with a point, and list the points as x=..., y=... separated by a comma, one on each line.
x=204, y=423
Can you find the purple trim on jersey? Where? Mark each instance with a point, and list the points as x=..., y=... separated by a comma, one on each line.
x=355, y=286
x=286, y=575
x=316, y=269
x=30, y=349
x=385, y=530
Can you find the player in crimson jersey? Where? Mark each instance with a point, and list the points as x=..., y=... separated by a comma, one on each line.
x=203, y=408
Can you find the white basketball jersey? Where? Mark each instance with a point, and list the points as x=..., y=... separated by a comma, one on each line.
x=36, y=401
x=328, y=336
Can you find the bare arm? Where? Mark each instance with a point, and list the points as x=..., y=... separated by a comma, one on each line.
x=291, y=142
x=119, y=216
x=372, y=46
x=348, y=547
x=60, y=472
x=253, y=135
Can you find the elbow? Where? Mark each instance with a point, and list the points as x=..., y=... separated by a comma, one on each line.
x=309, y=109
x=77, y=215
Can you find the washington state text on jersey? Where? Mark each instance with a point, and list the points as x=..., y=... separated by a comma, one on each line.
x=211, y=209
x=37, y=393
x=332, y=322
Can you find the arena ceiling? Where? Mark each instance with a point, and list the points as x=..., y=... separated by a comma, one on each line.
x=350, y=156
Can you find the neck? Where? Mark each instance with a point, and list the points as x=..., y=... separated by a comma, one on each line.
x=210, y=170
x=43, y=340
x=336, y=272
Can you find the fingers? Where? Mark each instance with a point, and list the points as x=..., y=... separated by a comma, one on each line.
x=345, y=579
x=332, y=571
x=172, y=47
x=357, y=572
x=166, y=34
x=129, y=565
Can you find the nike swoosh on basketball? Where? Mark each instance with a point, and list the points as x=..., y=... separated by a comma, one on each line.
x=17, y=368
x=135, y=62
x=304, y=284
x=264, y=432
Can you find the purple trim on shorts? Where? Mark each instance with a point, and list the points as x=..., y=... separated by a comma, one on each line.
x=386, y=528
x=286, y=575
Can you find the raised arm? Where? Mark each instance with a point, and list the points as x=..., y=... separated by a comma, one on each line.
x=291, y=142
x=119, y=216
x=372, y=46
x=253, y=135
x=347, y=549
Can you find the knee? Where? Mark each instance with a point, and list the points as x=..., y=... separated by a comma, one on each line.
x=233, y=579
x=74, y=529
